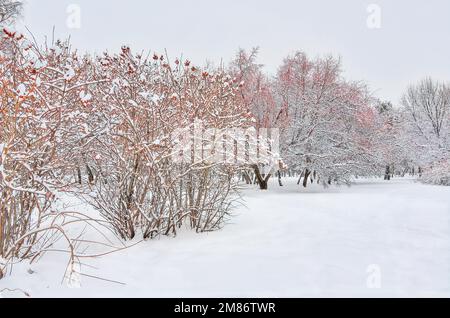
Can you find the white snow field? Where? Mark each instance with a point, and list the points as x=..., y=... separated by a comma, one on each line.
x=374, y=239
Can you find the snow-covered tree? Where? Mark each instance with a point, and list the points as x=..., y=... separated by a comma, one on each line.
x=327, y=121
x=256, y=90
x=426, y=120
x=9, y=11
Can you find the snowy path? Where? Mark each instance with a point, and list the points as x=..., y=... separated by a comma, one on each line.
x=288, y=242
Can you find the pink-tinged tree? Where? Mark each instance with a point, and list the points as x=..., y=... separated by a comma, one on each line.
x=256, y=90
x=324, y=119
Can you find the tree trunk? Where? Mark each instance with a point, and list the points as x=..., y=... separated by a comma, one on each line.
x=305, y=180
x=300, y=178
x=263, y=185
x=247, y=178
x=90, y=174
x=387, y=174
x=263, y=180
x=79, y=175
x=279, y=179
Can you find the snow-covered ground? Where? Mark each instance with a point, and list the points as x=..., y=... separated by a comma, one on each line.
x=287, y=242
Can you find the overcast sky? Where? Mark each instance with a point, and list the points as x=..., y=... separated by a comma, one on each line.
x=413, y=40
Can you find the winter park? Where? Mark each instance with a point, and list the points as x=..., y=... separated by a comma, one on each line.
x=206, y=149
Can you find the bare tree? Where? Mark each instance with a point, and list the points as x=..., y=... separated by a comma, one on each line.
x=428, y=104
x=9, y=10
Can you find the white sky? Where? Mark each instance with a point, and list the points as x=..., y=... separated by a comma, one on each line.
x=413, y=41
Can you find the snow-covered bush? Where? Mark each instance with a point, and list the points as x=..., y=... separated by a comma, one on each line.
x=27, y=148
x=438, y=174
x=106, y=128
x=128, y=144
x=36, y=90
